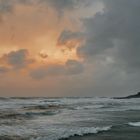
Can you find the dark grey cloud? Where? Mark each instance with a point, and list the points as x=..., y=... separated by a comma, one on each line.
x=118, y=26
x=3, y=70
x=5, y=6
x=67, y=37
x=17, y=59
x=71, y=67
x=111, y=51
x=26, y=2
x=63, y=5
x=58, y=5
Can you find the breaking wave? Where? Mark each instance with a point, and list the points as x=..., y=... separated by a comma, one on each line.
x=134, y=124
x=63, y=135
x=76, y=132
x=85, y=131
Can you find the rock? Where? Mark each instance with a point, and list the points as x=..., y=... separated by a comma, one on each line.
x=130, y=96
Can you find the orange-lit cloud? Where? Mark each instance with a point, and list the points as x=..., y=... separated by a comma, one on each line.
x=39, y=40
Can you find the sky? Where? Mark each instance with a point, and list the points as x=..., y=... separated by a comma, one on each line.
x=69, y=48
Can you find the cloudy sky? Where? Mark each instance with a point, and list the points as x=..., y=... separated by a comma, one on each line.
x=69, y=47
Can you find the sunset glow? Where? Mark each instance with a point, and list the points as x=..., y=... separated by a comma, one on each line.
x=66, y=47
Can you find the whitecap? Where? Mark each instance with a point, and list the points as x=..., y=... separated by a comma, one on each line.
x=134, y=124
x=75, y=132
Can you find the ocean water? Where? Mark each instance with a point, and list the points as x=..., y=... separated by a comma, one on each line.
x=69, y=119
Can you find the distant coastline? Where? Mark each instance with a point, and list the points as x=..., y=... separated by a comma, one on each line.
x=129, y=97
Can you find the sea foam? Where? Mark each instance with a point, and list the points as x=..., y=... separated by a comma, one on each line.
x=75, y=132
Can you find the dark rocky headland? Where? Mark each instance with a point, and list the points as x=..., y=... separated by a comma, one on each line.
x=130, y=96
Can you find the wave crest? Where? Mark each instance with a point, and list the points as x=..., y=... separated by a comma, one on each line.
x=134, y=124
x=76, y=132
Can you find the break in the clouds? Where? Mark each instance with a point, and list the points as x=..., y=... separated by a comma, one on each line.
x=69, y=47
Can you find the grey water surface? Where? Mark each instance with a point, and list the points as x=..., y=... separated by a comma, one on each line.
x=69, y=119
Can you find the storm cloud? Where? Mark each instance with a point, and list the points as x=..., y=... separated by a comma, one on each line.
x=118, y=28
x=112, y=42
x=84, y=47
x=17, y=59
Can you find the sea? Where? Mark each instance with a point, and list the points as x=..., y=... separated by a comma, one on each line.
x=75, y=118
